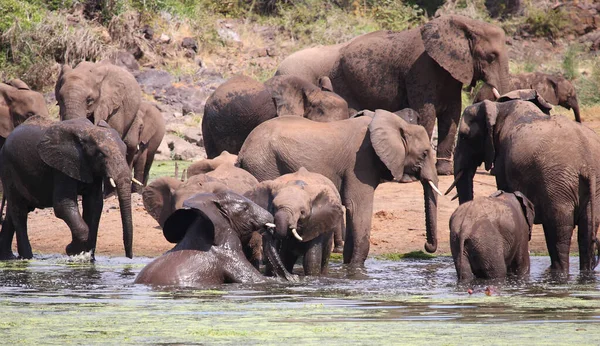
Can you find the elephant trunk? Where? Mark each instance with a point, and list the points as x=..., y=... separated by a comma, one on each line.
x=574, y=104
x=272, y=255
x=124, y=194
x=283, y=222
x=430, y=213
x=72, y=109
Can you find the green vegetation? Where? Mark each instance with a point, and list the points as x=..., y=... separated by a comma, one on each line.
x=544, y=22
x=168, y=168
x=409, y=255
x=570, y=63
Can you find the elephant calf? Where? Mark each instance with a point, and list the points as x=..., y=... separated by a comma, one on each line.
x=489, y=237
x=209, y=165
x=554, y=89
x=308, y=212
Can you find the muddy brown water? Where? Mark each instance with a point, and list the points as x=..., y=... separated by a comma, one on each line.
x=413, y=301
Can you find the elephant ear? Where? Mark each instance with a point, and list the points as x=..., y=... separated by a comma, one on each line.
x=287, y=95
x=114, y=84
x=61, y=147
x=490, y=113
x=528, y=209
x=530, y=95
x=262, y=195
x=325, y=84
x=158, y=198
x=388, y=137
x=201, y=213
x=64, y=69
x=8, y=94
x=19, y=84
x=325, y=214
x=409, y=115
x=447, y=41
x=363, y=113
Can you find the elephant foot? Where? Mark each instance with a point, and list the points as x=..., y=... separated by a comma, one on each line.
x=338, y=249
x=75, y=249
x=7, y=256
x=444, y=166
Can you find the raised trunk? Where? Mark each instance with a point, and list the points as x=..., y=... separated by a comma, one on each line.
x=430, y=217
x=124, y=194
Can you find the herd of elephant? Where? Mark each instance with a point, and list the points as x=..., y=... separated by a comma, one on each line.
x=293, y=162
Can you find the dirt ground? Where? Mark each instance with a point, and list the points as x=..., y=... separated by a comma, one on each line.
x=398, y=222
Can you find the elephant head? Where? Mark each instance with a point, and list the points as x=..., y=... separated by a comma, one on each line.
x=469, y=50
x=209, y=165
x=22, y=103
x=301, y=208
x=405, y=150
x=222, y=219
x=98, y=92
x=476, y=136
x=565, y=94
x=295, y=96
x=166, y=194
x=89, y=153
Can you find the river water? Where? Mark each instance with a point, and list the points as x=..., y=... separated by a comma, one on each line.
x=50, y=300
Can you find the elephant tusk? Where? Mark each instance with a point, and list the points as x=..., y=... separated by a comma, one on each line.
x=270, y=225
x=296, y=235
x=136, y=181
x=496, y=93
x=454, y=182
x=137, y=147
x=455, y=197
x=112, y=182
x=435, y=188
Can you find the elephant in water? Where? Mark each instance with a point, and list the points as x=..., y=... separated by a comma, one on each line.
x=552, y=160
x=356, y=154
x=210, y=232
x=242, y=103
x=308, y=213
x=555, y=90
x=489, y=237
x=424, y=68
x=49, y=164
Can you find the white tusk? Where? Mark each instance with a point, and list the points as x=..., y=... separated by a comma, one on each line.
x=136, y=181
x=138, y=147
x=112, y=182
x=270, y=225
x=435, y=188
x=496, y=93
x=296, y=235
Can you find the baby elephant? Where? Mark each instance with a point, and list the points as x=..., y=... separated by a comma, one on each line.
x=308, y=212
x=489, y=236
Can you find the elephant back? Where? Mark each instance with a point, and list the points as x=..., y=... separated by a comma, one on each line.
x=236, y=179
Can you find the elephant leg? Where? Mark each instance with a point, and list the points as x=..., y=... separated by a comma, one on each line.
x=338, y=235
x=520, y=264
x=92, y=210
x=558, y=239
x=326, y=253
x=148, y=160
x=447, y=128
x=313, y=257
x=237, y=269
x=358, y=200
x=66, y=209
x=18, y=216
x=586, y=235
x=6, y=238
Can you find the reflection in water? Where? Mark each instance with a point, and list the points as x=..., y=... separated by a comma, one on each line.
x=409, y=292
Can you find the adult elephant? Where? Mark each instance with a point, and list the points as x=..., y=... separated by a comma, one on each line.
x=520, y=141
x=47, y=164
x=147, y=132
x=100, y=92
x=308, y=213
x=210, y=232
x=554, y=89
x=356, y=155
x=17, y=104
x=423, y=68
x=242, y=103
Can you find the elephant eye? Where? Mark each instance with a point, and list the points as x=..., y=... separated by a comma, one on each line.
x=29, y=114
x=89, y=100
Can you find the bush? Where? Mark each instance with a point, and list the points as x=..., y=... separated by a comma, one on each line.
x=587, y=87
x=570, y=63
x=545, y=23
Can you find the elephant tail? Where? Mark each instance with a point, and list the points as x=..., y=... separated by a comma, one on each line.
x=590, y=178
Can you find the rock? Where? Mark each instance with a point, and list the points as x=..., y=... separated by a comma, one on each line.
x=272, y=51
x=125, y=60
x=580, y=20
x=148, y=32
x=152, y=81
x=190, y=54
x=193, y=135
x=181, y=150
x=164, y=39
x=228, y=35
x=189, y=43
x=504, y=8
